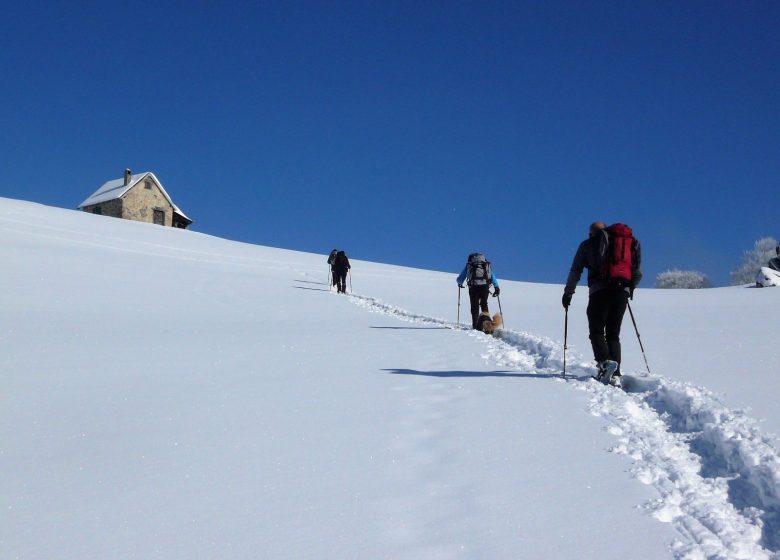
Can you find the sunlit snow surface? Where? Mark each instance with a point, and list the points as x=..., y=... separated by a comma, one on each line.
x=167, y=394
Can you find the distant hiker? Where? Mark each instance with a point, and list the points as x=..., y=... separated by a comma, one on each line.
x=769, y=275
x=340, y=267
x=478, y=274
x=612, y=256
x=774, y=263
x=331, y=260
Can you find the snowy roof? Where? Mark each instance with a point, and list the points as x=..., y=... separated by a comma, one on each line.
x=116, y=188
x=180, y=213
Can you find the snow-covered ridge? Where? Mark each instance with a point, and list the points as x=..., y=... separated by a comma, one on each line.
x=717, y=475
x=169, y=394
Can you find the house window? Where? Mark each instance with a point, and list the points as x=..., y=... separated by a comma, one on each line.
x=148, y=184
x=159, y=217
x=97, y=210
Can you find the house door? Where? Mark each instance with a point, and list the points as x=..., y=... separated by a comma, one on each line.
x=159, y=217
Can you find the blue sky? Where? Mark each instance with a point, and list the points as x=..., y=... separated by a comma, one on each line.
x=411, y=132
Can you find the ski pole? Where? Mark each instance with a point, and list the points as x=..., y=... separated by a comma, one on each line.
x=639, y=338
x=350, y=280
x=498, y=297
x=458, y=306
x=330, y=284
x=565, y=339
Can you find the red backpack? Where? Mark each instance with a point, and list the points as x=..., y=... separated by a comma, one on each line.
x=619, y=256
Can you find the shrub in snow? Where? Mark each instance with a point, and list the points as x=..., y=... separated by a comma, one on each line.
x=753, y=260
x=683, y=279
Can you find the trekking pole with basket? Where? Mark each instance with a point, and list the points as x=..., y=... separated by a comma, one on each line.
x=639, y=338
x=565, y=339
x=350, y=280
x=498, y=297
x=459, y=288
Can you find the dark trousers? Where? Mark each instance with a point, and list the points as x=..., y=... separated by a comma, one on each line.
x=478, y=296
x=605, y=316
x=340, y=280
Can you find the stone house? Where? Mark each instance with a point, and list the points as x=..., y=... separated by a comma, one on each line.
x=139, y=197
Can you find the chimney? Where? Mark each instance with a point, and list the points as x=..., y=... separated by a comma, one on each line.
x=128, y=176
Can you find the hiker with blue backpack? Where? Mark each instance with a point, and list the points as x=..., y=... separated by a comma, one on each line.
x=613, y=257
x=478, y=275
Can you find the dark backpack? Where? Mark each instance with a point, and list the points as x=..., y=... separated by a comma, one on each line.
x=618, y=256
x=478, y=270
x=340, y=262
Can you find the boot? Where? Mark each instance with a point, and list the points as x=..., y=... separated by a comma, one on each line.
x=606, y=369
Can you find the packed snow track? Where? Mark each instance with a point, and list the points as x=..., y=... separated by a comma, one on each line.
x=717, y=476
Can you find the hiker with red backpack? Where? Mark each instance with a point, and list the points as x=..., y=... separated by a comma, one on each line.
x=612, y=256
x=478, y=274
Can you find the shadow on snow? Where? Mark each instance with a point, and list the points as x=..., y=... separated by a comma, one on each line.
x=312, y=289
x=397, y=371
x=310, y=282
x=413, y=328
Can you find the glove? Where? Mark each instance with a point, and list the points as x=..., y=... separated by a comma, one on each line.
x=460, y=285
x=566, y=300
x=631, y=293
x=498, y=291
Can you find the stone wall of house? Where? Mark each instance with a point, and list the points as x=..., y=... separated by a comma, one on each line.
x=140, y=202
x=112, y=208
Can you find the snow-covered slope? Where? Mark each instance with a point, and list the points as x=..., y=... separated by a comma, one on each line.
x=167, y=394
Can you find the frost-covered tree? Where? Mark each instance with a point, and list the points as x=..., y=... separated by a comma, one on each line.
x=683, y=279
x=753, y=260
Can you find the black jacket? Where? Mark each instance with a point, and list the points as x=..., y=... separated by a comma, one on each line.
x=590, y=254
x=341, y=262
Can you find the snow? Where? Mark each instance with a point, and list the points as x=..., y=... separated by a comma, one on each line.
x=166, y=394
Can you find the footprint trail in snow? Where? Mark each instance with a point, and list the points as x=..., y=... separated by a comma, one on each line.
x=717, y=475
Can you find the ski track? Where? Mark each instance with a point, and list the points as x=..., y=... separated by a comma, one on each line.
x=717, y=475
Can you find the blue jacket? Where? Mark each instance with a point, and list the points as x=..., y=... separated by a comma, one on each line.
x=462, y=277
